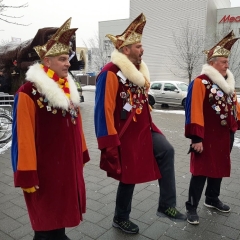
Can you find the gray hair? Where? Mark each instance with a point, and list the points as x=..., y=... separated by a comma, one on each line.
x=214, y=59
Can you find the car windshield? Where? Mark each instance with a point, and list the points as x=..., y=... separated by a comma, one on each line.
x=183, y=86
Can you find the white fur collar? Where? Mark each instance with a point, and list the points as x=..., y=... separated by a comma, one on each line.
x=227, y=85
x=50, y=89
x=129, y=70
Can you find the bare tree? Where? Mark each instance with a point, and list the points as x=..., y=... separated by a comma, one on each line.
x=99, y=53
x=186, y=58
x=8, y=18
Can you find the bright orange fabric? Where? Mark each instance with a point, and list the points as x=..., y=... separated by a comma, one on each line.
x=25, y=134
x=198, y=94
x=111, y=89
x=84, y=145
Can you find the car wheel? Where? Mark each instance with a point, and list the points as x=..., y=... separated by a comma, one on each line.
x=184, y=103
x=151, y=100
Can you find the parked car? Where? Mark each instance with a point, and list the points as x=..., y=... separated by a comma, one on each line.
x=167, y=93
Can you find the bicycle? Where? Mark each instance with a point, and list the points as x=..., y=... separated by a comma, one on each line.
x=5, y=127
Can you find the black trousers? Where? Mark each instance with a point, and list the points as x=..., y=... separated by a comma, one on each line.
x=197, y=184
x=164, y=154
x=57, y=234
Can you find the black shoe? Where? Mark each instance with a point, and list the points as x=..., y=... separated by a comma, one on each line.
x=172, y=213
x=218, y=205
x=192, y=216
x=126, y=226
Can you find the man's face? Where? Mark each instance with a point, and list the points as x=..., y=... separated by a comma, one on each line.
x=1, y=73
x=59, y=64
x=221, y=64
x=134, y=53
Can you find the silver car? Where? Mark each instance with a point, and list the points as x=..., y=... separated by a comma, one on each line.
x=167, y=93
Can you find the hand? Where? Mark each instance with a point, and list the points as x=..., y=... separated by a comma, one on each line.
x=31, y=190
x=198, y=147
x=110, y=160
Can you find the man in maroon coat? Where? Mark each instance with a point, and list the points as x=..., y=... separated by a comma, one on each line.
x=48, y=146
x=212, y=118
x=133, y=149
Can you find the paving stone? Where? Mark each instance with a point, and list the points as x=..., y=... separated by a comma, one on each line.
x=223, y=230
x=94, y=205
x=156, y=230
x=15, y=211
x=8, y=224
x=93, y=216
x=101, y=196
x=91, y=230
x=21, y=232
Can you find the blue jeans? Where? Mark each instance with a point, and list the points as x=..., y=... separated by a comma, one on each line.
x=164, y=155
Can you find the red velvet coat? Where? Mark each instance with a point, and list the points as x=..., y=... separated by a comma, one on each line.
x=135, y=147
x=48, y=150
x=211, y=115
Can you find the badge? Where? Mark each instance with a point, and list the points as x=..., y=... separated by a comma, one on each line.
x=219, y=93
x=214, y=86
x=54, y=111
x=64, y=113
x=34, y=91
x=213, y=90
x=49, y=108
x=223, y=122
x=204, y=81
x=73, y=120
x=217, y=108
x=127, y=107
x=138, y=111
x=222, y=116
x=40, y=103
x=123, y=95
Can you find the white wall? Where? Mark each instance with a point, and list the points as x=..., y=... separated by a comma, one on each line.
x=163, y=18
x=113, y=27
x=235, y=26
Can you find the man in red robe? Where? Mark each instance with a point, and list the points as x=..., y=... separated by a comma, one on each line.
x=212, y=118
x=133, y=149
x=48, y=146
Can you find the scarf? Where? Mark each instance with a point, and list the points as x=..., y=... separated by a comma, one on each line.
x=62, y=82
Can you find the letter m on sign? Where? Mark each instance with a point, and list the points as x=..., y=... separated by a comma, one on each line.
x=225, y=19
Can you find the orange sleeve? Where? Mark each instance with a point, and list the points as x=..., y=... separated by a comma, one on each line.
x=198, y=94
x=110, y=101
x=26, y=133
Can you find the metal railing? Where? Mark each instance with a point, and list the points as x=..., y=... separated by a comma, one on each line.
x=6, y=103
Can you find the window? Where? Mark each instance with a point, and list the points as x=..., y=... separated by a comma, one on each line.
x=156, y=86
x=183, y=86
x=169, y=87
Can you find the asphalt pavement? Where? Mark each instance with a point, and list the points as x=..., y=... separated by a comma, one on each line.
x=101, y=194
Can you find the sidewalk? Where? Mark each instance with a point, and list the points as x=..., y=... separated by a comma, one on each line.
x=101, y=194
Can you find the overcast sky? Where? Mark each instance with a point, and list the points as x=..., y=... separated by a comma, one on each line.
x=52, y=13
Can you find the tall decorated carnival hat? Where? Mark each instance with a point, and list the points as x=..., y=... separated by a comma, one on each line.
x=222, y=48
x=58, y=44
x=133, y=33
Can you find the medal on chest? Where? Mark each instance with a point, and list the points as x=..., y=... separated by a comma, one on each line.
x=221, y=103
x=43, y=103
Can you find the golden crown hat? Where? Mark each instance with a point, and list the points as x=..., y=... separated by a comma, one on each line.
x=58, y=44
x=133, y=33
x=222, y=48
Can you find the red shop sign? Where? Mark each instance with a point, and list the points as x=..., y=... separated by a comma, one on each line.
x=229, y=18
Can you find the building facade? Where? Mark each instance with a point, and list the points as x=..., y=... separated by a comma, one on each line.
x=167, y=23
